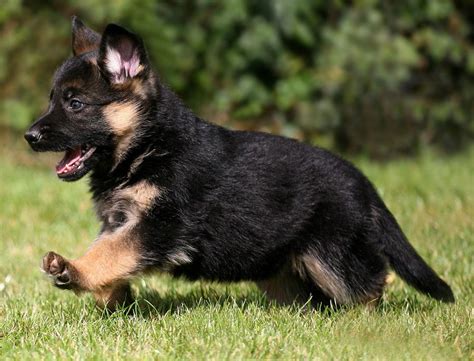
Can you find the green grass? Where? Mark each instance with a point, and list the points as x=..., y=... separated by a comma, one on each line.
x=432, y=197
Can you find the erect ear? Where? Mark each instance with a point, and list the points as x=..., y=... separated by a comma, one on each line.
x=122, y=55
x=84, y=39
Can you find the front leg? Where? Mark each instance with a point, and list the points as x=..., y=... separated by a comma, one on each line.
x=104, y=270
x=119, y=294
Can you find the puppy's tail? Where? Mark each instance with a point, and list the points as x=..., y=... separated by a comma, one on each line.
x=407, y=262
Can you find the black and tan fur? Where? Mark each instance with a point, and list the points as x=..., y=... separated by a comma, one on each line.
x=178, y=194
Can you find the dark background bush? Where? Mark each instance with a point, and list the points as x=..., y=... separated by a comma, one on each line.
x=378, y=77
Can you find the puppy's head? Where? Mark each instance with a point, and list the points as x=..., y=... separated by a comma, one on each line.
x=97, y=101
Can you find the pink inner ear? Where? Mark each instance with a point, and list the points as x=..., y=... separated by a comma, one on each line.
x=131, y=66
x=120, y=68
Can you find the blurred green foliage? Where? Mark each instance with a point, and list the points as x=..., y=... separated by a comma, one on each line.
x=372, y=76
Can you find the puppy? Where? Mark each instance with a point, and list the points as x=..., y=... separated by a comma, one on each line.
x=178, y=194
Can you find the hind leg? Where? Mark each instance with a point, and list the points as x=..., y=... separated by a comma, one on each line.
x=345, y=275
x=289, y=288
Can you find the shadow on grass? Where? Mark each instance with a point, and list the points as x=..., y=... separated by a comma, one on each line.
x=408, y=304
x=150, y=303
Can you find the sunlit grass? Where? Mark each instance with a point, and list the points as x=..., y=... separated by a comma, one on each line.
x=433, y=198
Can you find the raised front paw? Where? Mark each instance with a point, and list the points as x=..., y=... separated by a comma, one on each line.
x=59, y=269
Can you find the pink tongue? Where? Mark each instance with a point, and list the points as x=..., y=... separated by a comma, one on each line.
x=69, y=159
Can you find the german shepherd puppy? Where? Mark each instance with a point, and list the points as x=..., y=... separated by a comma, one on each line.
x=178, y=194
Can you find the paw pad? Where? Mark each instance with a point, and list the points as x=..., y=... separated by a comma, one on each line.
x=56, y=267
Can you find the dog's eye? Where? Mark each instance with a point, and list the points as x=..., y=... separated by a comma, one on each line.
x=75, y=104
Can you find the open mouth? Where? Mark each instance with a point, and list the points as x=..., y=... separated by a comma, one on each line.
x=73, y=160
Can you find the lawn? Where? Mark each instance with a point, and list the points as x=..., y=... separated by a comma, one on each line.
x=431, y=196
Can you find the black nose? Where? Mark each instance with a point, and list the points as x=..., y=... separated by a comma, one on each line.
x=33, y=136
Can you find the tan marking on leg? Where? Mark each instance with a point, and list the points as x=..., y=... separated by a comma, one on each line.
x=283, y=291
x=286, y=288
x=115, y=257
x=309, y=265
x=123, y=119
x=111, y=259
x=116, y=295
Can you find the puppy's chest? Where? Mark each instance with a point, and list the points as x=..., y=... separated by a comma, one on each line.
x=126, y=206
